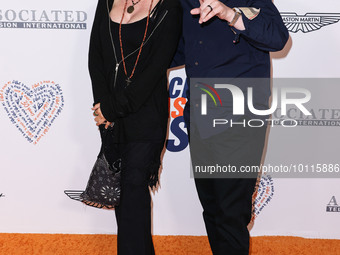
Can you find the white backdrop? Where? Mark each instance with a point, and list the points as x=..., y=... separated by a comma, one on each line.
x=33, y=177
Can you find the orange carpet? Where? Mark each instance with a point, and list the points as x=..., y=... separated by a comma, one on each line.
x=29, y=244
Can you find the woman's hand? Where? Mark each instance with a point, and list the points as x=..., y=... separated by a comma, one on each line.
x=211, y=8
x=99, y=118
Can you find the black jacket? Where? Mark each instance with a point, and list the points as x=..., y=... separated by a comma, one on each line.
x=139, y=110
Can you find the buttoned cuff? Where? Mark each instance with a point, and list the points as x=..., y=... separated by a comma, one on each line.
x=248, y=14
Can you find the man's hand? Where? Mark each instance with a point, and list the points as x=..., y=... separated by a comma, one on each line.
x=99, y=118
x=211, y=8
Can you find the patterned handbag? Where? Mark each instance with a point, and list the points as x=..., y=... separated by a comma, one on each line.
x=103, y=187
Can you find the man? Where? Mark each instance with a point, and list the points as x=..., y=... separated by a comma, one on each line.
x=229, y=39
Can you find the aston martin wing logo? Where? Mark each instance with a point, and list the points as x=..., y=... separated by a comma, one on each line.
x=309, y=22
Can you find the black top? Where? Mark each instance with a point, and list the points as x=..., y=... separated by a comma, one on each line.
x=139, y=110
x=132, y=37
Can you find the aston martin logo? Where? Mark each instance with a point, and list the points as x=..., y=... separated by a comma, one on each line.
x=309, y=22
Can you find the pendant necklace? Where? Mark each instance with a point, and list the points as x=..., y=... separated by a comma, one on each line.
x=131, y=8
x=128, y=81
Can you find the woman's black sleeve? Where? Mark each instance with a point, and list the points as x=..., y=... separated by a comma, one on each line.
x=95, y=62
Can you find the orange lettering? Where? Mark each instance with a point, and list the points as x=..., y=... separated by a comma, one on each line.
x=30, y=111
x=179, y=106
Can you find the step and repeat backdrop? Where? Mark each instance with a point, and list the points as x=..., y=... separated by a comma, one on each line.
x=49, y=141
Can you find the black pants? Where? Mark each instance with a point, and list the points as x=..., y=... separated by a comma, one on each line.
x=227, y=202
x=134, y=212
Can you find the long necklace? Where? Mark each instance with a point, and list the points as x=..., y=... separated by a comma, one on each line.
x=128, y=81
x=131, y=8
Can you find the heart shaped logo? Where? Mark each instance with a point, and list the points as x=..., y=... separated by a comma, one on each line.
x=263, y=194
x=32, y=110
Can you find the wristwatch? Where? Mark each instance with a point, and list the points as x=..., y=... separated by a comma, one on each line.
x=237, y=15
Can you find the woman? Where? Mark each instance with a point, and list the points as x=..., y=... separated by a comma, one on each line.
x=132, y=45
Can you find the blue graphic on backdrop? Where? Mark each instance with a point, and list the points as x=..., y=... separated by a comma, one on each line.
x=32, y=110
x=263, y=195
x=177, y=93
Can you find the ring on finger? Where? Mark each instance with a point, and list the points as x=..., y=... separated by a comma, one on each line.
x=95, y=113
x=210, y=7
